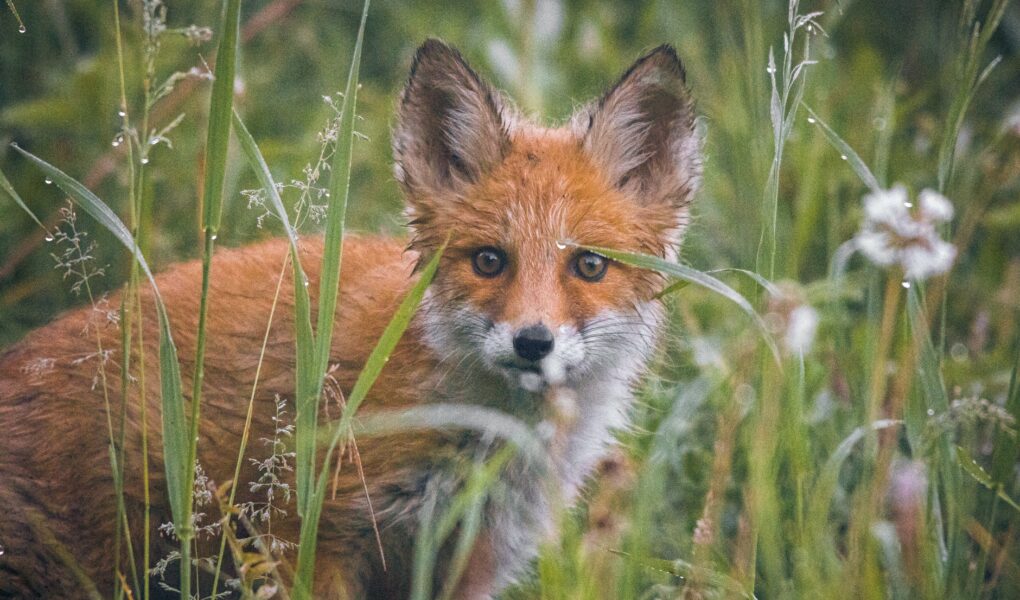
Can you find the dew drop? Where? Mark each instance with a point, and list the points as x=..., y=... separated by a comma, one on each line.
x=906, y=285
x=842, y=156
x=121, y=113
x=561, y=245
x=145, y=160
x=213, y=237
x=48, y=181
x=931, y=412
x=812, y=120
x=21, y=29
x=48, y=238
x=153, y=141
x=770, y=70
x=908, y=204
x=2, y=550
x=115, y=143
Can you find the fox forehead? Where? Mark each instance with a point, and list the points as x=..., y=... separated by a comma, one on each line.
x=546, y=193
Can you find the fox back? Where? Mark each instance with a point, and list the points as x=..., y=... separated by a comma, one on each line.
x=521, y=330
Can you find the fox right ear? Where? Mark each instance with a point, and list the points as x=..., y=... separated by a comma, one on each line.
x=450, y=128
x=642, y=133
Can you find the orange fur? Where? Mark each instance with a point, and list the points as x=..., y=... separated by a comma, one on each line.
x=620, y=175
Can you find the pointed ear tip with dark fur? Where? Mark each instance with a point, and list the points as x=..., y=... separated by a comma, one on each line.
x=664, y=57
x=433, y=48
x=434, y=53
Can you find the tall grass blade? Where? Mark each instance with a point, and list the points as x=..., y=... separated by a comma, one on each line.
x=341, y=430
x=847, y=153
x=220, y=106
x=685, y=273
x=217, y=142
x=329, y=274
x=306, y=383
x=339, y=188
x=175, y=432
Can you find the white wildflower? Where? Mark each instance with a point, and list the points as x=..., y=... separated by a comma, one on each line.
x=791, y=319
x=894, y=232
x=800, y=329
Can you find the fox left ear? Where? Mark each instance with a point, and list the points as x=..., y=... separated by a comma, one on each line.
x=641, y=132
x=450, y=127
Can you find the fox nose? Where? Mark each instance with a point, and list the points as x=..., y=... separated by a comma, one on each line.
x=533, y=342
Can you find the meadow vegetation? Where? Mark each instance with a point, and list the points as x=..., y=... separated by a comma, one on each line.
x=833, y=412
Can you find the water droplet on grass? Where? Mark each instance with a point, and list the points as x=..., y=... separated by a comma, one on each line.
x=812, y=120
x=908, y=204
x=48, y=238
x=121, y=113
x=145, y=160
x=842, y=156
x=931, y=412
x=906, y=285
x=561, y=245
x=48, y=181
x=21, y=29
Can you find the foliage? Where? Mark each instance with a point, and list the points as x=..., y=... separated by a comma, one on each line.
x=879, y=461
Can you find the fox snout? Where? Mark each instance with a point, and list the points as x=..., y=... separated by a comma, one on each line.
x=534, y=342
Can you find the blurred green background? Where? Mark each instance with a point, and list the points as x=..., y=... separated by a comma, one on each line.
x=885, y=69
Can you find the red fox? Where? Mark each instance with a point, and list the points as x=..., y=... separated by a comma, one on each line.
x=516, y=317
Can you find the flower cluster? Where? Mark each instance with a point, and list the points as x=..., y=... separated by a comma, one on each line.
x=895, y=232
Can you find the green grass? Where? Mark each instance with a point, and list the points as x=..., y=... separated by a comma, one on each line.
x=879, y=463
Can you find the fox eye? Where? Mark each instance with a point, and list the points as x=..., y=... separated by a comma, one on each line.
x=590, y=266
x=488, y=262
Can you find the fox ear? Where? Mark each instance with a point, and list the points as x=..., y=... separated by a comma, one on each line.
x=449, y=130
x=641, y=133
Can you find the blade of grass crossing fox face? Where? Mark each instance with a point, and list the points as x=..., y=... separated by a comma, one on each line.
x=685, y=273
x=175, y=432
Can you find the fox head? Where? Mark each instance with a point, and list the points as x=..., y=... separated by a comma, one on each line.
x=514, y=293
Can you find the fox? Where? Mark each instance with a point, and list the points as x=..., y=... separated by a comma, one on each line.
x=519, y=321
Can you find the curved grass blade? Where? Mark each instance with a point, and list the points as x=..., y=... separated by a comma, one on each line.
x=175, y=427
x=686, y=570
x=847, y=153
x=685, y=273
x=971, y=466
x=825, y=485
x=763, y=282
x=7, y=188
x=307, y=379
x=342, y=429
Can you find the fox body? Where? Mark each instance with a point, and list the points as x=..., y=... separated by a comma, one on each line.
x=519, y=321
